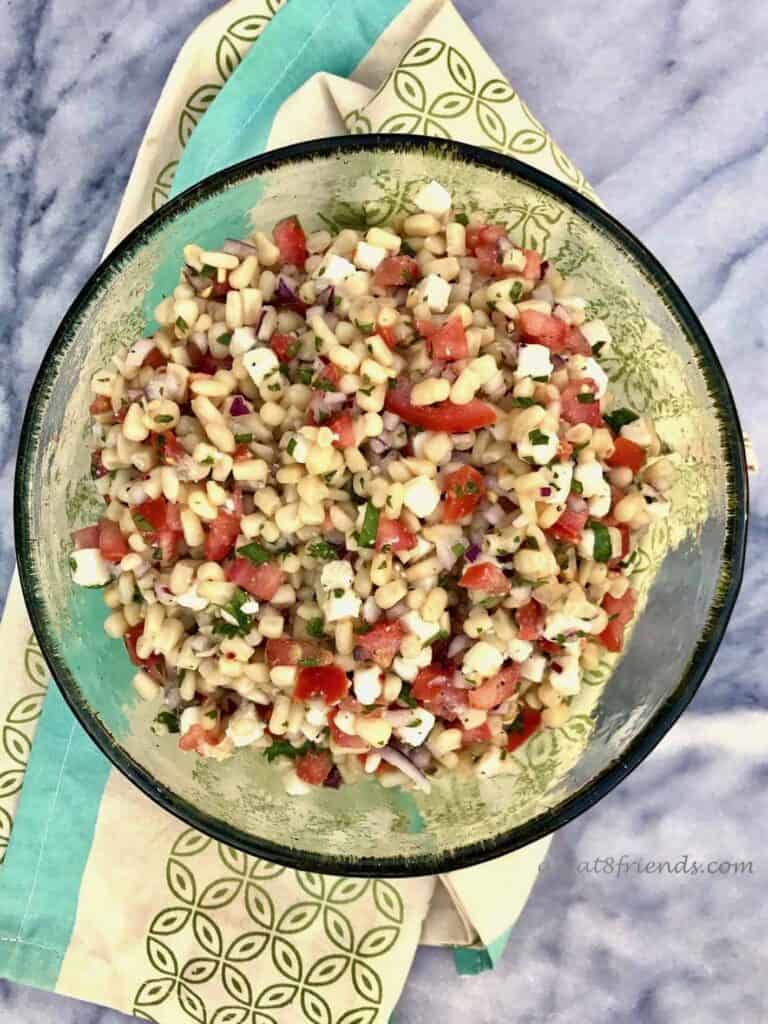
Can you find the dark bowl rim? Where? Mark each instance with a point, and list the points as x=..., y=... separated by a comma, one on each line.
x=732, y=557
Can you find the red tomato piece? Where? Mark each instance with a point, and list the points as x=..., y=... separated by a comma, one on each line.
x=620, y=611
x=497, y=689
x=569, y=527
x=153, y=511
x=343, y=426
x=330, y=374
x=291, y=241
x=526, y=725
x=314, y=767
x=387, y=334
x=393, y=535
x=530, y=619
x=112, y=543
x=100, y=405
x=87, y=537
x=532, y=265
x=155, y=359
x=220, y=288
x=549, y=647
x=433, y=687
x=327, y=681
x=576, y=344
x=242, y=451
x=197, y=735
x=573, y=410
x=285, y=346
x=449, y=341
x=397, y=272
x=489, y=262
x=168, y=541
x=541, y=329
x=484, y=234
x=131, y=639
x=444, y=416
x=463, y=490
x=221, y=535
x=485, y=576
x=382, y=642
x=627, y=453
x=285, y=651
x=170, y=448
x=564, y=450
x=480, y=734
x=263, y=581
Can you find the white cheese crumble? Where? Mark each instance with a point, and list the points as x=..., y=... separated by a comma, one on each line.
x=368, y=257
x=335, y=269
x=337, y=575
x=243, y=340
x=540, y=453
x=367, y=684
x=191, y=599
x=89, y=568
x=433, y=198
x=481, y=661
x=586, y=366
x=435, y=292
x=417, y=730
x=560, y=479
x=245, y=726
x=421, y=495
x=533, y=361
x=596, y=332
x=259, y=363
x=590, y=476
x=345, y=607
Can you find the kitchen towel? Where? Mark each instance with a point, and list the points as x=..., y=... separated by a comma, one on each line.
x=103, y=895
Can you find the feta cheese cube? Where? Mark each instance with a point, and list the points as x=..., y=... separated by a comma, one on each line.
x=514, y=259
x=418, y=626
x=243, y=340
x=586, y=547
x=600, y=503
x=299, y=450
x=317, y=712
x=435, y=292
x=417, y=730
x=191, y=599
x=542, y=452
x=189, y=717
x=408, y=668
x=590, y=476
x=259, y=363
x=596, y=332
x=334, y=269
x=519, y=650
x=368, y=257
x=560, y=479
x=586, y=366
x=245, y=726
x=337, y=575
x=434, y=199
x=481, y=661
x=89, y=569
x=420, y=550
x=367, y=684
x=533, y=668
x=638, y=431
x=421, y=495
x=533, y=361
x=565, y=675
x=345, y=607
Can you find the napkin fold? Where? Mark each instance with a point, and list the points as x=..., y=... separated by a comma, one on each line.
x=102, y=894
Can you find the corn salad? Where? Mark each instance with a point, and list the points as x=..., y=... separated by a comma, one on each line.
x=369, y=507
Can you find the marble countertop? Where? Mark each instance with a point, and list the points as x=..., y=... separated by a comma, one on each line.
x=659, y=103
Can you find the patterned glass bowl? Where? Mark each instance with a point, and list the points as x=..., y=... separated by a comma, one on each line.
x=661, y=362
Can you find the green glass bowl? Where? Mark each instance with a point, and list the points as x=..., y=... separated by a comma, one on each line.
x=661, y=362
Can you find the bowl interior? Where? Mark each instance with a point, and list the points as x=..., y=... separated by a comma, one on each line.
x=661, y=363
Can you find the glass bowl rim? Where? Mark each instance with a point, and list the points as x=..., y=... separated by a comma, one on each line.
x=721, y=607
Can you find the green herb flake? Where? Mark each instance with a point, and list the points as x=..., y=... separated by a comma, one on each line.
x=322, y=550
x=516, y=291
x=315, y=628
x=406, y=698
x=370, y=526
x=291, y=446
x=224, y=339
x=586, y=398
x=603, y=549
x=619, y=418
x=538, y=437
x=461, y=218
x=73, y=565
x=458, y=549
x=305, y=376
x=577, y=487
x=143, y=524
x=243, y=438
x=181, y=323
x=163, y=419
x=255, y=553
x=523, y=403
x=282, y=748
x=436, y=637
x=169, y=720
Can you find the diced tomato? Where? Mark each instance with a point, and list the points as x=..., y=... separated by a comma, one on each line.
x=444, y=416
x=489, y=262
x=573, y=410
x=447, y=342
x=530, y=619
x=331, y=374
x=314, y=767
x=263, y=581
x=343, y=426
x=100, y=405
x=576, y=344
x=480, y=734
x=484, y=234
x=397, y=272
x=387, y=334
x=153, y=511
x=327, y=681
x=197, y=735
x=526, y=725
x=87, y=537
x=285, y=346
x=170, y=448
x=155, y=359
x=541, y=329
x=496, y=689
x=242, y=451
x=569, y=527
x=393, y=535
x=131, y=639
x=564, y=450
x=620, y=611
x=168, y=541
x=112, y=543
x=286, y=651
x=220, y=288
x=291, y=241
x=550, y=647
x=532, y=269
x=382, y=642
x=433, y=687
x=485, y=576
x=221, y=535
x=627, y=453
x=463, y=490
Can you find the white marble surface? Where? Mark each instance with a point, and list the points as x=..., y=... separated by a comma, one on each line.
x=662, y=103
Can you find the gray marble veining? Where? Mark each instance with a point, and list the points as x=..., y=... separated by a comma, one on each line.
x=661, y=102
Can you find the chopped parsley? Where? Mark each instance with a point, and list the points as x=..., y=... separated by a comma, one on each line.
x=461, y=218
x=322, y=550
x=406, y=698
x=537, y=437
x=255, y=553
x=577, y=487
x=143, y=524
x=163, y=419
x=603, y=548
x=243, y=438
x=458, y=549
x=370, y=526
x=315, y=628
x=181, y=323
x=586, y=398
x=304, y=375
x=282, y=748
x=224, y=339
x=169, y=720
x=523, y=403
x=440, y=634
x=291, y=446
x=619, y=418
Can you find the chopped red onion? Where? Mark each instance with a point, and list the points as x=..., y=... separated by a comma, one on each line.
x=312, y=312
x=197, y=281
x=420, y=756
x=164, y=593
x=544, y=268
x=407, y=767
x=545, y=492
x=242, y=250
x=333, y=779
x=326, y=297
x=239, y=406
x=555, y=667
x=284, y=292
x=576, y=503
x=494, y=514
x=378, y=445
x=458, y=644
x=472, y=552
